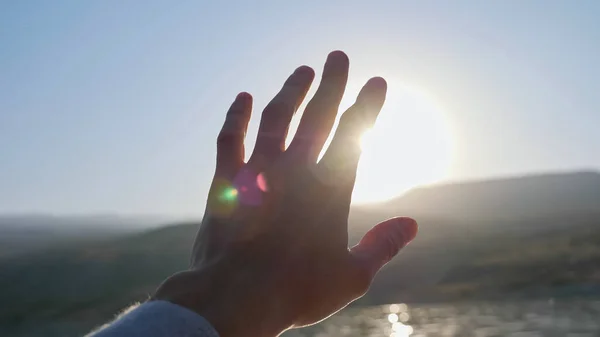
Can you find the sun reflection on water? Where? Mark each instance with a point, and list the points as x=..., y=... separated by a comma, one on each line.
x=398, y=315
x=523, y=318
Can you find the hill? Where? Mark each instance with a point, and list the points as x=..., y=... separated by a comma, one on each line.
x=477, y=240
x=524, y=196
x=462, y=220
x=20, y=233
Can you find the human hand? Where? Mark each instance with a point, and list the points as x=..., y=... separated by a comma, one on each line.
x=272, y=250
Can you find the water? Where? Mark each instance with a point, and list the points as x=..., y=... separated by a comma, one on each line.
x=574, y=318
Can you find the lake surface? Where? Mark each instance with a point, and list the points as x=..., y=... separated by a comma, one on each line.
x=573, y=318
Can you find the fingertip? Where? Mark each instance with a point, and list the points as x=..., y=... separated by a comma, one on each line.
x=243, y=96
x=302, y=76
x=305, y=70
x=383, y=242
x=375, y=86
x=377, y=82
x=243, y=102
x=337, y=64
x=408, y=227
x=402, y=229
x=373, y=94
x=338, y=55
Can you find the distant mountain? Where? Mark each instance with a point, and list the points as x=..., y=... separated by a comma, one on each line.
x=24, y=232
x=534, y=236
x=84, y=222
x=461, y=220
x=526, y=196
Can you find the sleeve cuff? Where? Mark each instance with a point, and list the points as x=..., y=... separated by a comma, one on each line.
x=158, y=319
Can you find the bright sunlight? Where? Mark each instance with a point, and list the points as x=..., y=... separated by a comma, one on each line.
x=411, y=144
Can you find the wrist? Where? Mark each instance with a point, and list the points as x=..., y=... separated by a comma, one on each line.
x=232, y=308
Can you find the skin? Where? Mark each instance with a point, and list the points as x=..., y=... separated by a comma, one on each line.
x=272, y=250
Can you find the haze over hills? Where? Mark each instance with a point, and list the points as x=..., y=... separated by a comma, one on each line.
x=522, y=196
x=460, y=220
x=513, y=237
x=25, y=232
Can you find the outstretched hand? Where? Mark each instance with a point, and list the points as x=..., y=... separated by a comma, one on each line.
x=272, y=250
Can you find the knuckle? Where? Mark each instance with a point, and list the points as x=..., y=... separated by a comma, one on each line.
x=351, y=123
x=347, y=117
x=279, y=106
x=295, y=82
x=227, y=137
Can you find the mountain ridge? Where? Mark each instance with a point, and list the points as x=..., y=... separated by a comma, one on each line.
x=542, y=253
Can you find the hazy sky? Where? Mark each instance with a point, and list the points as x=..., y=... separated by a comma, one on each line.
x=114, y=106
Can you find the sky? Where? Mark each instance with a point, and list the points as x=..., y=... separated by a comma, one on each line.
x=114, y=106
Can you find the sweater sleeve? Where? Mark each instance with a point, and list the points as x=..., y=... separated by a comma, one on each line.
x=157, y=319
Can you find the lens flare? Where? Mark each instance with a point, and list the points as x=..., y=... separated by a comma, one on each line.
x=223, y=198
x=248, y=192
x=261, y=182
x=229, y=194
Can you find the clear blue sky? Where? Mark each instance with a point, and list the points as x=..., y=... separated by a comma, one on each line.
x=113, y=106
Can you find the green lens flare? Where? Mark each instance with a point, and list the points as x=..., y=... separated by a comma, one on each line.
x=229, y=194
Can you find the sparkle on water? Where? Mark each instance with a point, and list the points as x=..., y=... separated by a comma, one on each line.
x=396, y=308
x=398, y=313
x=569, y=317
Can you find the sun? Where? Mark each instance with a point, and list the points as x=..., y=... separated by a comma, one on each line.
x=411, y=144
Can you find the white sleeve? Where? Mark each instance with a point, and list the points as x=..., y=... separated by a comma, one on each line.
x=157, y=319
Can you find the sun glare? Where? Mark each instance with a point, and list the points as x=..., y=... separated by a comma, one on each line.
x=411, y=144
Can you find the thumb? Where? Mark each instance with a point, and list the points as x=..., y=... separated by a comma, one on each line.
x=382, y=243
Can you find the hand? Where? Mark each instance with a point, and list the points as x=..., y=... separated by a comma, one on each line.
x=272, y=250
